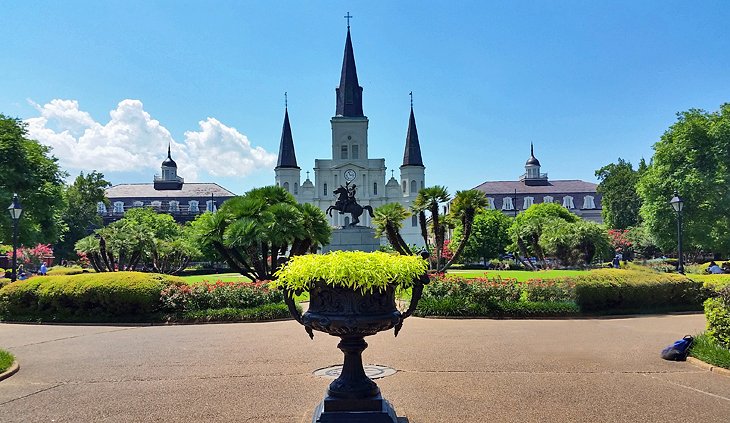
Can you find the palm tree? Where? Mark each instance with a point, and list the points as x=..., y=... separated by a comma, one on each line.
x=464, y=208
x=429, y=199
x=316, y=230
x=388, y=220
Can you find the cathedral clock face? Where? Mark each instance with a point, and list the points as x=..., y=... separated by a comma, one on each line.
x=350, y=175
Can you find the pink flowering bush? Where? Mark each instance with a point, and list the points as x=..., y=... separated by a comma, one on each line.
x=32, y=257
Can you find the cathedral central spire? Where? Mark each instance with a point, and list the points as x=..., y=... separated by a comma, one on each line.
x=349, y=93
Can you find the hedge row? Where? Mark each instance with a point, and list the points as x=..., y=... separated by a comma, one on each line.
x=93, y=294
x=717, y=313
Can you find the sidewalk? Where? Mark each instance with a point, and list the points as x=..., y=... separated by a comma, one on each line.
x=586, y=370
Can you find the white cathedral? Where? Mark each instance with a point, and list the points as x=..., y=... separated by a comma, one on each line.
x=351, y=163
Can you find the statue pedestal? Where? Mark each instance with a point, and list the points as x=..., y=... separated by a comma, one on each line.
x=353, y=238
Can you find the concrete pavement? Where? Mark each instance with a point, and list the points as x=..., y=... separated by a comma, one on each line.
x=584, y=370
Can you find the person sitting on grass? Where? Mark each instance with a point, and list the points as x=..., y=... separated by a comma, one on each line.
x=714, y=268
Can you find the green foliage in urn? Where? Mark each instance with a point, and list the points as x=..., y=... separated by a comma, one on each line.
x=351, y=269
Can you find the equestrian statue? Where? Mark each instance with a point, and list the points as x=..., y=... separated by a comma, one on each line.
x=346, y=203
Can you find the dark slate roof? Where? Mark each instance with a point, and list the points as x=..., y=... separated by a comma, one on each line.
x=349, y=93
x=168, y=161
x=532, y=160
x=287, y=156
x=412, y=153
x=189, y=189
x=553, y=187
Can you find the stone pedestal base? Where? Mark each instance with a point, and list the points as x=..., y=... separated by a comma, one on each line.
x=368, y=410
x=353, y=238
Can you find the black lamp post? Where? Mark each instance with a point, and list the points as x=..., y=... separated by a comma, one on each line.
x=15, y=211
x=678, y=204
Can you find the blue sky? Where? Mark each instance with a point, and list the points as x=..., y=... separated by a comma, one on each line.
x=109, y=84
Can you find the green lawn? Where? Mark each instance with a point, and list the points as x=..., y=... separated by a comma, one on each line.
x=224, y=277
x=520, y=275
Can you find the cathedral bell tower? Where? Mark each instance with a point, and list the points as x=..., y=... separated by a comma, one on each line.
x=287, y=173
x=412, y=171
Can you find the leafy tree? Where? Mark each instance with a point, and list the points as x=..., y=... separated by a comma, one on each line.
x=620, y=201
x=388, y=221
x=642, y=242
x=254, y=231
x=430, y=199
x=80, y=216
x=575, y=243
x=692, y=158
x=527, y=228
x=142, y=236
x=489, y=236
x=28, y=169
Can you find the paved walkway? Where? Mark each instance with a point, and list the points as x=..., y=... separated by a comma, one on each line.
x=593, y=370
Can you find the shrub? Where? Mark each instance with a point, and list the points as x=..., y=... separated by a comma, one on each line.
x=710, y=351
x=717, y=313
x=611, y=289
x=4, y=281
x=6, y=360
x=261, y=312
x=86, y=295
x=218, y=295
x=551, y=290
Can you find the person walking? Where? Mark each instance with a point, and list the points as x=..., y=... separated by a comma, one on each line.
x=43, y=270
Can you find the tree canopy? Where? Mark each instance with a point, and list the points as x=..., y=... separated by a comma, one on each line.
x=28, y=169
x=528, y=227
x=693, y=158
x=489, y=237
x=620, y=201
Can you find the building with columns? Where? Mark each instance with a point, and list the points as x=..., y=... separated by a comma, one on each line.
x=511, y=197
x=350, y=160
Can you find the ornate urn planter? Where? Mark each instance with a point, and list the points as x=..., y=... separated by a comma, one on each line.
x=351, y=314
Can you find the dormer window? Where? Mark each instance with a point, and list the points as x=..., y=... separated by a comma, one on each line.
x=193, y=206
x=174, y=206
x=507, y=203
x=138, y=204
x=528, y=201
x=118, y=207
x=100, y=207
x=568, y=202
x=547, y=199
x=490, y=203
x=588, y=202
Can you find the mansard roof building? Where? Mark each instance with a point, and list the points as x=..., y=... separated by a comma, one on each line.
x=580, y=197
x=168, y=193
x=350, y=161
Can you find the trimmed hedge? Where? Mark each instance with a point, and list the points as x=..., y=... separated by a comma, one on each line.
x=262, y=312
x=717, y=313
x=96, y=295
x=614, y=289
x=70, y=270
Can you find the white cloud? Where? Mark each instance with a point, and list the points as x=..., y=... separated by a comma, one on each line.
x=132, y=141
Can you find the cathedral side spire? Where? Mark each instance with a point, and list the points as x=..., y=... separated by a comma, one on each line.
x=287, y=156
x=412, y=153
x=349, y=93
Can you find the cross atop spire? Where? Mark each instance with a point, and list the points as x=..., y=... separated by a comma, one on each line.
x=348, y=17
x=411, y=94
x=286, y=101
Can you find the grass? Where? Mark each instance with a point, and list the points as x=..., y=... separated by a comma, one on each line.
x=520, y=275
x=706, y=349
x=224, y=277
x=6, y=360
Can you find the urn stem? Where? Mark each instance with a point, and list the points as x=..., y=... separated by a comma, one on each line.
x=353, y=383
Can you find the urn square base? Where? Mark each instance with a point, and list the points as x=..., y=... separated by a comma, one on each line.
x=366, y=410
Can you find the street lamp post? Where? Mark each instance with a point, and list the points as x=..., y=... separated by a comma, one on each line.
x=678, y=204
x=15, y=211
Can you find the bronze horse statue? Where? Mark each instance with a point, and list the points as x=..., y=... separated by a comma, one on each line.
x=348, y=204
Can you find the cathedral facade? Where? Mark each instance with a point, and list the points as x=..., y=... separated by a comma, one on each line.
x=350, y=165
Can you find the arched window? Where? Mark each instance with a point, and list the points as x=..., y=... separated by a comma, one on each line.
x=527, y=202
x=174, y=206
x=325, y=188
x=547, y=199
x=568, y=202
x=507, y=203
x=118, y=207
x=404, y=187
x=286, y=186
x=343, y=152
x=588, y=202
x=490, y=203
x=414, y=188
x=296, y=187
x=138, y=204
x=194, y=206
x=375, y=188
x=100, y=207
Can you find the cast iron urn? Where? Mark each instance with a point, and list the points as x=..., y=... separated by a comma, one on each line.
x=352, y=315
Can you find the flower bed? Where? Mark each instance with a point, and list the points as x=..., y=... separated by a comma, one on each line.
x=602, y=291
